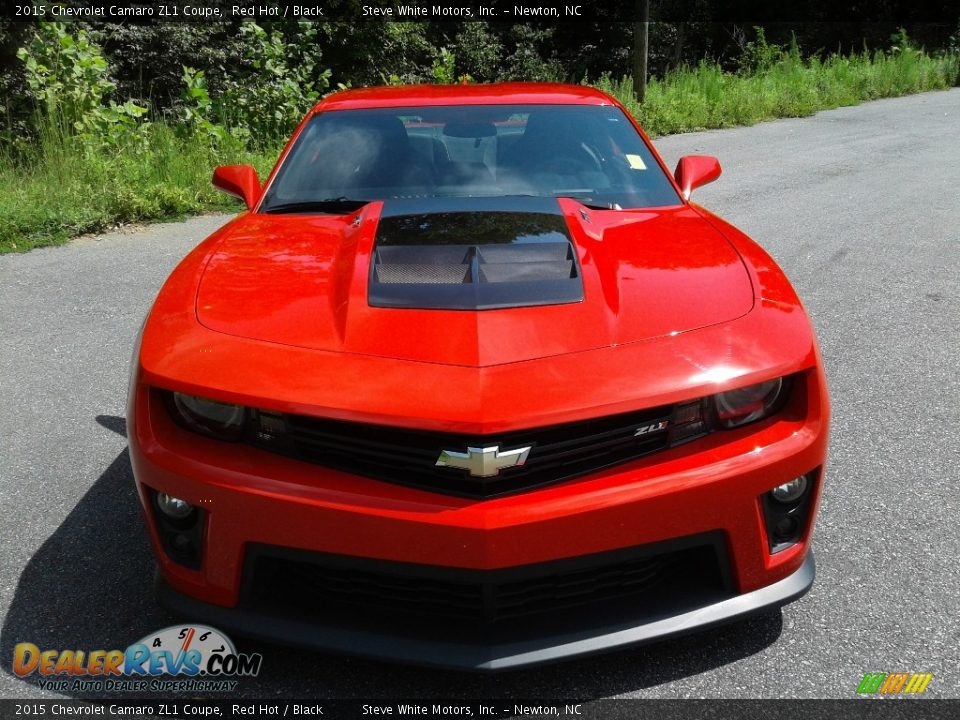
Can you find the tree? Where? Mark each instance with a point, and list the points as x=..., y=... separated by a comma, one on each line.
x=641, y=30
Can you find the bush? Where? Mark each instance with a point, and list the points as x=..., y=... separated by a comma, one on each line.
x=107, y=162
x=167, y=175
x=284, y=81
x=110, y=163
x=68, y=79
x=478, y=52
x=781, y=84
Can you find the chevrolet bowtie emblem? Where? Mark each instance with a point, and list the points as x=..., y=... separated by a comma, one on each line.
x=483, y=462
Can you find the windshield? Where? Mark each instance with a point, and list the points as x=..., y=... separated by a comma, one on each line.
x=346, y=157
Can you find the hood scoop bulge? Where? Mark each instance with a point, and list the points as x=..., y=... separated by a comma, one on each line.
x=309, y=281
x=473, y=261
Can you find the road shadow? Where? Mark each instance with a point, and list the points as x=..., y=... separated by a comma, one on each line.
x=113, y=423
x=89, y=586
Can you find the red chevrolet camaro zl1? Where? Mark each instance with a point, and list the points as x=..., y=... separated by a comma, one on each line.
x=472, y=383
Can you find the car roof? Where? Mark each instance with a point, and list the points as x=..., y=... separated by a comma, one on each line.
x=469, y=94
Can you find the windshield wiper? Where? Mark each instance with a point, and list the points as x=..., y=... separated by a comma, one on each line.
x=589, y=202
x=333, y=206
x=584, y=200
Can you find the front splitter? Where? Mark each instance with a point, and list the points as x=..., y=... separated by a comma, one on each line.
x=566, y=643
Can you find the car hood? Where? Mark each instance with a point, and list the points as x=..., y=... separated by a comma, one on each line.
x=306, y=281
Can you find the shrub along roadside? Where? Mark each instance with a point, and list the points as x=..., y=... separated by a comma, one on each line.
x=63, y=189
x=74, y=180
x=779, y=83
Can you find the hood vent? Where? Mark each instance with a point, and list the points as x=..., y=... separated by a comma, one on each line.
x=532, y=262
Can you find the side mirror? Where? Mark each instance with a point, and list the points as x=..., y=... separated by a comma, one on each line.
x=240, y=181
x=696, y=170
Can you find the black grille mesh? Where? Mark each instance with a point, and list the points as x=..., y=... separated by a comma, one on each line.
x=316, y=583
x=423, y=273
x=409, y=457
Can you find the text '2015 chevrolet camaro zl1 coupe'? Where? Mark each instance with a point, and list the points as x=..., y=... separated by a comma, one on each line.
x=471, y=383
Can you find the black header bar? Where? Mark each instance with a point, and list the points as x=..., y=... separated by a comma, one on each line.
x=447, y=709
x=545, y=11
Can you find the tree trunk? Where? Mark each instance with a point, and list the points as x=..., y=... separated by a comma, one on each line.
x=677, y=56
x=640, y=36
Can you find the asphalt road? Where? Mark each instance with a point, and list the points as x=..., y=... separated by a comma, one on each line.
x=861, y=206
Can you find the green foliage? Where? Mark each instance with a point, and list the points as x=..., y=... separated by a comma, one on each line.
x=146, y=59
x=372, y=53
x=197, y=108
x=953, y=50
x=67, y=77
x=284, y=81
x=784, y=85
x=760, y=56
x=528, y=57
x=94, y=159
x=401, y=46
x=443, y=68
x=95, y=162
x=478, y=52
x=60, y=190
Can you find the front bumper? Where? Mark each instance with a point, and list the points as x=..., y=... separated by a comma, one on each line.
x=712, y=486
x=551, y=647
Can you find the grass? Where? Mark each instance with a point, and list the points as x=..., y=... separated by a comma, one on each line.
x=64, y=187
x=704, y=96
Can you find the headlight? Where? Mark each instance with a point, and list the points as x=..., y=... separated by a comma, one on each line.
x=745, y=405
x=208, y=417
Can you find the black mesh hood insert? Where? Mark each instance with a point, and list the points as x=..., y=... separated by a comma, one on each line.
x=476, y=259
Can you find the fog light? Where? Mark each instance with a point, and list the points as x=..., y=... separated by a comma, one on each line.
x=180, y=526
x=791, y=491
x=182, y=544
x=786, y=510
x=786, y=527
x=173, y=507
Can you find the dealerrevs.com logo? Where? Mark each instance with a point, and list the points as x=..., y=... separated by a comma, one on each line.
x=197, y=657
x=894, y=683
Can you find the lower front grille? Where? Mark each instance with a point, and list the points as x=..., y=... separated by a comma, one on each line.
x=657, y=577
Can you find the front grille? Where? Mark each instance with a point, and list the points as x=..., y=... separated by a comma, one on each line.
x=409, y=457
x=652, y=577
